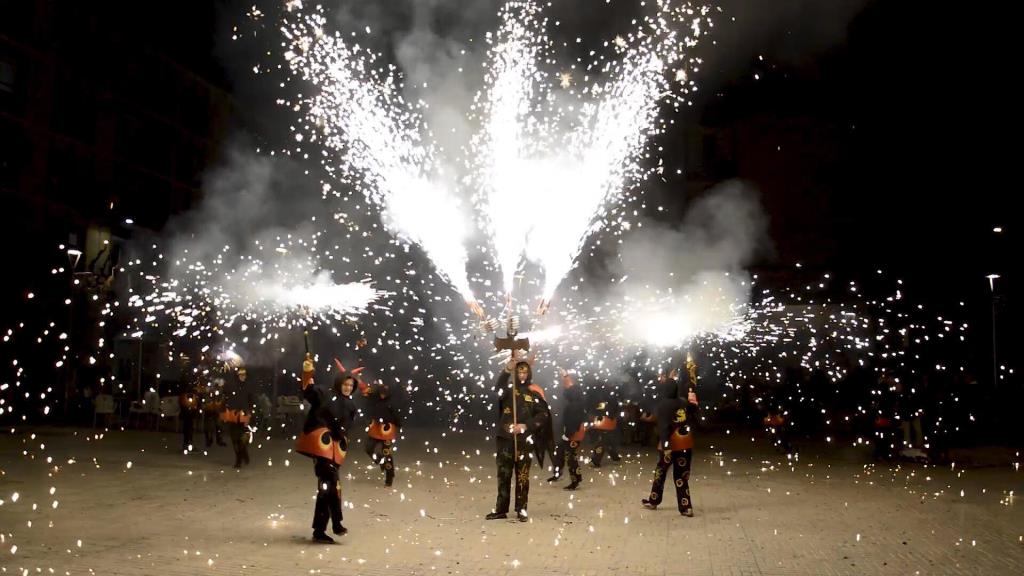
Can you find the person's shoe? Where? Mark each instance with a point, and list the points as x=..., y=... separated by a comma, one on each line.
x=553, y=479
x=648, y=504
x=496, y=516
x=339, y=530
x=521, y=516
x=322, y=537
x=688, y=512
x=574, y=485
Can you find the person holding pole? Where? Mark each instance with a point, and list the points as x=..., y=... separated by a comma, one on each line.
x=522, y=412
x=676, y=415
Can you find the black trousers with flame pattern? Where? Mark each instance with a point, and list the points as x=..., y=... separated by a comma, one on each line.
x=382, y=454
x=679, y=461
x=507, y=464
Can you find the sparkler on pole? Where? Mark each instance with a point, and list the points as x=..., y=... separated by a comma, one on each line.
x=512, y=344
x=376, y=142
x=691, y=377
x=581, y=175
x=195, y=297
x=307, y=362
x=542, y=308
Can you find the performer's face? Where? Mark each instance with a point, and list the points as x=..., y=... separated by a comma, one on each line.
x=522, y=373
x=347, y=386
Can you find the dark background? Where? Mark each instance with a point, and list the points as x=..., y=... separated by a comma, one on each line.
x=879, y=133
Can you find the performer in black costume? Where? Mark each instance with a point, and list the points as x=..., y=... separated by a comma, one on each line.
x=383, y=429
x=514, y=436
x=239, y=405
x=188, y=400
x=573, y=430
x=605, y=430
x=675, y=441
x=324, y=439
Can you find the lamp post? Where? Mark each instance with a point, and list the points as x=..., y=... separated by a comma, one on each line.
x=74, y=254
x=995, y=366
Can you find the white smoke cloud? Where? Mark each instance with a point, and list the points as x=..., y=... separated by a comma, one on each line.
x=682, y=282
x=725, y=230
x=250, y=243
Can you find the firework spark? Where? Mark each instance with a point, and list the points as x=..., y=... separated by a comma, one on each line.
x=562, y=184
x=373, y=141
x=279, y=287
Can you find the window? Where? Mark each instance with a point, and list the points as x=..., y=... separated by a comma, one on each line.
x=14, y=68
x=6, y=77
x=15, y=154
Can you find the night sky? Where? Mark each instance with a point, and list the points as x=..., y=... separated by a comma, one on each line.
x=878, y=132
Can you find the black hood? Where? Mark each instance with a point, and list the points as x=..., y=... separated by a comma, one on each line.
x=340, y=379
x=573, y=394
x=529, y=373
x=668, y=389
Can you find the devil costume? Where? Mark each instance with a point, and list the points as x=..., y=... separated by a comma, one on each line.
x=188, y=400
x=675, y=446
x=212, y=395
x=239, y=404
x=513, y=447
x=324, y=440
x=383, y=429
x=573, y=431
x=605, y=431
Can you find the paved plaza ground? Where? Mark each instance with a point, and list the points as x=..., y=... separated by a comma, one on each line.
x=128, y=503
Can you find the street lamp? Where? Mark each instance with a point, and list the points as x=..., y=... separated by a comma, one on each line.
x=992, y=281
x=74, y=254
x=995, y=366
